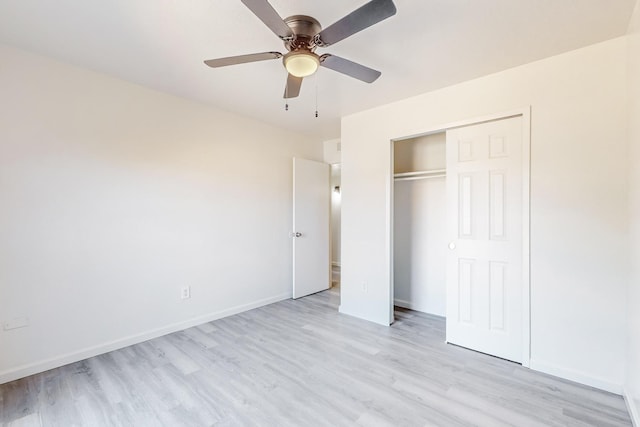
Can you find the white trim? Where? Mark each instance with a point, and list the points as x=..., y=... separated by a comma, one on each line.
x=65, y=359
x=293, y=230
x=576, y=376
x=634, y=411
x=390, y=255
x=526, y=237
x=525, y=112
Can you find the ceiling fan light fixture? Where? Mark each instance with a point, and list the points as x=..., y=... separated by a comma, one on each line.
x=301, y=63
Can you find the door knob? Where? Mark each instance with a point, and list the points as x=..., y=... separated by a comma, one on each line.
x=452, y=245
x=297, y=234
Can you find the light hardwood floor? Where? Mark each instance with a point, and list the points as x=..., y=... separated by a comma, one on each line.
x=301, y=363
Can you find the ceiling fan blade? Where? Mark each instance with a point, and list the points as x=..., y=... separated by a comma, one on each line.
x=364, y=17
x=267, y=14
x=349, y=68
x=242, y=59
x=292, y=89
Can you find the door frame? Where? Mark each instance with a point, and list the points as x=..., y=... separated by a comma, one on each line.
x=525, y=113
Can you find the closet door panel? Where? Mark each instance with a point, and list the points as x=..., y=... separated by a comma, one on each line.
x=484, y=263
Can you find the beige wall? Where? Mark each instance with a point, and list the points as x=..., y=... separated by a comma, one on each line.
x=114, y=196
x=578, y=201
x=633, y=343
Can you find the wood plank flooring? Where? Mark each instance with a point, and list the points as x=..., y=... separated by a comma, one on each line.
x=301, y=363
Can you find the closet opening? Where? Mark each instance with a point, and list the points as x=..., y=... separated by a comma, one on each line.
x=460, y=231
x=419, y=223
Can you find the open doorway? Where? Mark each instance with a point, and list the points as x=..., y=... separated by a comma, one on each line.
x=333, y=156
x=336, y=203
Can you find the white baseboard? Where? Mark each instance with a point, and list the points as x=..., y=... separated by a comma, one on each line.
x=634, y=411
x=576, y=376
x=349, y=311
x=76, y=356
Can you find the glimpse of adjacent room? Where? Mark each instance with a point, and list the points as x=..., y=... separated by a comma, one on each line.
x=336, y=203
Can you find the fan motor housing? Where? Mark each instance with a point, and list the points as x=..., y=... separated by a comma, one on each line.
x=304, y=28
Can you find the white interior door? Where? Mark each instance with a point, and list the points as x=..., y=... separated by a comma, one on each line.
x=485, y=211
x=311, y=229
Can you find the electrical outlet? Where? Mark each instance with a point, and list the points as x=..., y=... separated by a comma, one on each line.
x=185, y=292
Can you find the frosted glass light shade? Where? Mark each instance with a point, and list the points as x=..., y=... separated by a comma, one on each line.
x=301, y=64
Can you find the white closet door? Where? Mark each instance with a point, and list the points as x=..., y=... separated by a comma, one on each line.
x=485, y=211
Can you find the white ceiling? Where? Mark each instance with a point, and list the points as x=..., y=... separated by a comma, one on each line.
x=427, y=45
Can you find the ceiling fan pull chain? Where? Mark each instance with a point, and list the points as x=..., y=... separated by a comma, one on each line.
x=286, y=96
x=316, y=80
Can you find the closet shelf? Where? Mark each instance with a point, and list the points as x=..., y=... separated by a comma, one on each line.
x=411, y=176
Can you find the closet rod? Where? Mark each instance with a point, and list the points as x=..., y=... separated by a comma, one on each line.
x=420, y=173
x=414, y=178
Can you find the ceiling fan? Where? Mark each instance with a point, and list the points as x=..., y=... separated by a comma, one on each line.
x=302, y=34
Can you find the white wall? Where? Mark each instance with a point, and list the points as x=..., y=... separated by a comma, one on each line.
x=332, y=152
x=578, y=201
x=114, y=196
x=633, y=340
x=419, y=245
x=419, y=229
x=422, y=153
